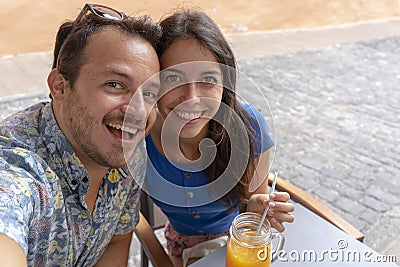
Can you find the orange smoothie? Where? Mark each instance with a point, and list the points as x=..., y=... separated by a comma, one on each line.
x=238, y=255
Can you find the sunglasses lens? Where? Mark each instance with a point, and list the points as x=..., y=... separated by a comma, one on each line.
x=107, y=12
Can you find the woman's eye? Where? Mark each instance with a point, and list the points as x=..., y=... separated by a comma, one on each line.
x=209, y=79
x=173, y=78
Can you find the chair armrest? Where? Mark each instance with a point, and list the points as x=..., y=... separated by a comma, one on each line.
x=151, y=245
x=316, y=206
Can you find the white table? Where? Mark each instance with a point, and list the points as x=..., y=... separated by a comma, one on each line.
x=312, y=241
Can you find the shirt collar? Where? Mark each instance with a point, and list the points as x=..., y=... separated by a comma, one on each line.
x=62, y=158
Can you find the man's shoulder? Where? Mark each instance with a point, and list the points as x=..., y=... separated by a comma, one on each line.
x=25, y=122
x=22, y=128
x=27, y=114
x=21, y=162
x=19, y=139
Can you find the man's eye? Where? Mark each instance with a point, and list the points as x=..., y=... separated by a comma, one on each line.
x=114, y=85
x=150, y=96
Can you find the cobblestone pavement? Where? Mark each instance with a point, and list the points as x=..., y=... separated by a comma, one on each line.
x=337, y=118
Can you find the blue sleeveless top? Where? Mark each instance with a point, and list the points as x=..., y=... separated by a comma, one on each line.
x=184, y=194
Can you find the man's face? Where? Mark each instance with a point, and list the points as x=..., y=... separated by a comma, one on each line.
x=92, y=114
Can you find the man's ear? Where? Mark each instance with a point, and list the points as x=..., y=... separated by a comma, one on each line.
x=57, y=84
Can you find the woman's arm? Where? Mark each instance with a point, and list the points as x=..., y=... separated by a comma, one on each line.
x=259, y=181
x=259, y=198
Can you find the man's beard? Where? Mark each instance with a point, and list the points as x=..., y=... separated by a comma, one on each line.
x=81, y=124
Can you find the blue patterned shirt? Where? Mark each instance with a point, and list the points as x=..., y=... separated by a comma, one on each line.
x=42, y=190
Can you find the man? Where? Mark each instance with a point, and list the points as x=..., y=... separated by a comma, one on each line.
x=65, y=197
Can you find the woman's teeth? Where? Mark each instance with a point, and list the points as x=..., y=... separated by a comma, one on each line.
x=188, y=115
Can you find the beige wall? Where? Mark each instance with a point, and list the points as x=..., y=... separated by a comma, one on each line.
x=30, y=25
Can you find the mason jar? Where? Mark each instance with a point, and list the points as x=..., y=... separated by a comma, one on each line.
x=244, y=248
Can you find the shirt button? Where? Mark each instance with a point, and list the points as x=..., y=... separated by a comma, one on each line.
x=186, y=175
x=197, y=216
x=74, y=182
x=190, y=195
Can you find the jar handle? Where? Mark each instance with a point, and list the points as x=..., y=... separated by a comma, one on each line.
x=279, y=247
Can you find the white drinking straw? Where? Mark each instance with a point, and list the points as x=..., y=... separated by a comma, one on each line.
x=267, y=208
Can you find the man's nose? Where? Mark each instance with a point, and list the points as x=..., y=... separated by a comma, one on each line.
x=136, y=107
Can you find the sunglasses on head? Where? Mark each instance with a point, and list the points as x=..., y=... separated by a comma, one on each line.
x=100, y=11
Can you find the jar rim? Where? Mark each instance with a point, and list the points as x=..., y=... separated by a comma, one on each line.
x=246, y=224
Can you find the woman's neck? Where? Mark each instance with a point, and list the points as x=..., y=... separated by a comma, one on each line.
x=187, y=149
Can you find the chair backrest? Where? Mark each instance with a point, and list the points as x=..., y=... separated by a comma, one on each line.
x=151, y=212
x=156, y=220
x=151, y=245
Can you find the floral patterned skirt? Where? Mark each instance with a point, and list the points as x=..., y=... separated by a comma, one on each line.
x=177, y=242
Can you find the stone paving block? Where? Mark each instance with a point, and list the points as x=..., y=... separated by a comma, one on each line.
x=383, y=242
x=350, y=205
x=370, y=216
x=357, y=222
x=380, y=191
x=311, y=162
x=391, y=183
x=331, y=183
x=325, y=193
x=376, y=204
x=334, y=172
x=368, y=160
x=394, y=212
x=351, y=192
x=357, y=182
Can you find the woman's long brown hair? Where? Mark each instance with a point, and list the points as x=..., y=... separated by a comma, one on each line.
x=188, y=24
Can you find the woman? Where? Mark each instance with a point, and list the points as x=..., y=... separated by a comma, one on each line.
x=197, y=101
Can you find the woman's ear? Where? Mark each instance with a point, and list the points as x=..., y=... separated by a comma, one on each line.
x=57, y=84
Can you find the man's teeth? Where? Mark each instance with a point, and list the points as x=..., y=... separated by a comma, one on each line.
x=188, y=115
x=123, y=128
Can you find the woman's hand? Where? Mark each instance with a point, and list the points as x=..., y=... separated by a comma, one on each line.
x=279, y=208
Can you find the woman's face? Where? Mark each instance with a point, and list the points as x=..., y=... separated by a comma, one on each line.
x=191, y=88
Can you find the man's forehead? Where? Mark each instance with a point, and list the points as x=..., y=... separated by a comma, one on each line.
x=111, y=45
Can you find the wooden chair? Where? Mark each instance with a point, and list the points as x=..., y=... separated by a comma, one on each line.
x=151, y=245
x=151, y=219
x=159, y=258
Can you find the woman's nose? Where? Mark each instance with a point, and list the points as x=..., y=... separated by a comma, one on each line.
x=191, y=91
